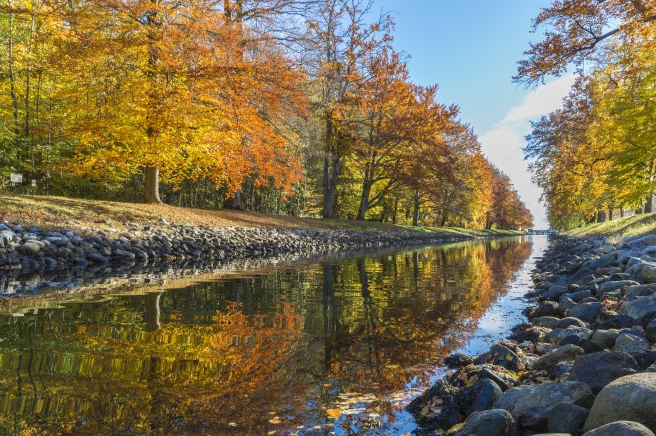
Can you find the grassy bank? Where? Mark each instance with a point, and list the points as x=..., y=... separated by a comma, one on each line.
x=619, y=229
x=82, y=215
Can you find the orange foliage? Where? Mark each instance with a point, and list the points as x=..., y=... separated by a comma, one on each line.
x=180, y=87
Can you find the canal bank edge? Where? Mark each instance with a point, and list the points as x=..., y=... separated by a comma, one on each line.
x=32, y=250
x=583, y=364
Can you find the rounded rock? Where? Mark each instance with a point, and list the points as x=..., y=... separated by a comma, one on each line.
x=495, y=422
x=630, y=398
x=567, y=418
x=631, y=344
x=546, y=395
x=621, y=428
x=599, y=369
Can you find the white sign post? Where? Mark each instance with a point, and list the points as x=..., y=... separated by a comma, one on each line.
x=34, y=183
x=16, y=178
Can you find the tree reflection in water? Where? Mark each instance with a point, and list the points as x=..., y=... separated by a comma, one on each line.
x=253, y=355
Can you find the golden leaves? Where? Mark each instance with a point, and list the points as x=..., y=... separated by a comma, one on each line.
x=334, y=413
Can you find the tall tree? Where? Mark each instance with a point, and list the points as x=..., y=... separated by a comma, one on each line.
x=168, y=87
x=344, y=41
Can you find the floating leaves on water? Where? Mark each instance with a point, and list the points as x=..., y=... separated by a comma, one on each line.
x=334, y=413
x=275, y=420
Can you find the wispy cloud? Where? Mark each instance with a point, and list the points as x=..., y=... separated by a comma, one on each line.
x=504, y=141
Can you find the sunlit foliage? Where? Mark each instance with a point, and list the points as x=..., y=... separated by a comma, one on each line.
x=297, y=107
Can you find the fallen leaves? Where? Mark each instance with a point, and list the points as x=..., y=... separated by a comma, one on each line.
x=334, y=413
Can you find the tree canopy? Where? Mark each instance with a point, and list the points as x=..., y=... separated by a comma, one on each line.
x=595, y=157
x=297, y=107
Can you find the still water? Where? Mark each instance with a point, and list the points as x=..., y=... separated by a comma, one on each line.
x=330, y=347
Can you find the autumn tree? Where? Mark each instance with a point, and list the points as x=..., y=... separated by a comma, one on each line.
x=397, y=119
x=344, y=40
x=186, y=94
x=577, y=29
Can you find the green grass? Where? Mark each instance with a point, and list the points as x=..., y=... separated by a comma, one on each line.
x=619, y=229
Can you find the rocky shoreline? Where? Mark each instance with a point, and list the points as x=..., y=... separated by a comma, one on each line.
x=25, y=251
x=583, y=364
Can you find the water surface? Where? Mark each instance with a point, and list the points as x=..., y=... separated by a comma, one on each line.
x=327, y=347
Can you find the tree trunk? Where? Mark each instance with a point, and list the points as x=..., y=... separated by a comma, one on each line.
x=649, y=204
x=12, y=77
x=415, y=212
x=330, y=179
x=332, y=162
x=445, y=216
x=610, y=214
x=396, y=210
x=601, y=217
x=364, y=201
x=235, y=202
x=151, y=193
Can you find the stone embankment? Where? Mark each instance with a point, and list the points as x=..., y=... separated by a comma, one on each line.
x=29, y=251
x=583, y=364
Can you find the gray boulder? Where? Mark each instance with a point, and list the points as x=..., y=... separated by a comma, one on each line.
x=587, y=312
x=615, y=285
x=650, y=331
x=566, y=352
x=599, y=369
x=630, y=398
x=579, y=295
x=567, y=418
x=546, y=321
x=493, y=422
x=555, y=291
x=521, y=399
x=621, y=428
x=569, y=322
x=565, y=304
x=648, y=273
x=609, y=295
x=479, y=397
x=640, y=307
x=642, y=241
x=631, y=344
x=604, y=261
x=31, y=248
x=500, y=355
x=605, y=338
x=633, y=292
x=557, y=335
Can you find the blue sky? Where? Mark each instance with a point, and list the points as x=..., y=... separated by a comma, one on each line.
x=470, y=49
